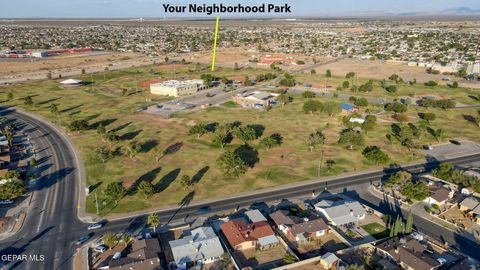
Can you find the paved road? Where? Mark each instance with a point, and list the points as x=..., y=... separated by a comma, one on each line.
x=47, y=230
x=52, y=227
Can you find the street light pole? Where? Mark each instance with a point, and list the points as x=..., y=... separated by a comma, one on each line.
x=96, y=201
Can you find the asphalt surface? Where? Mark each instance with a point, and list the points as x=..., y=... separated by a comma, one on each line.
x=52, y=227
x=47, y=230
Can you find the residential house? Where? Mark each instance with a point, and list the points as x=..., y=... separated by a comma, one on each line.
x=438, y=194
x=144, y=255
x=199, y=247
x=341, y=212
x=348, y=108
x=256, y=99
x=299, y=229
x=471, y=207
x=242, y=236
x=406, y=252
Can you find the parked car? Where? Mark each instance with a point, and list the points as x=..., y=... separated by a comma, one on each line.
x=455, y=142
x=6, y=202
x=100, y=248
x=427, y=147
x=83, y=239
x=117, y=256
x=95, y=226
x=442, y=261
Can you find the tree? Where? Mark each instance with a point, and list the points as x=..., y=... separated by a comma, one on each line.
x=455, y=84
x=391, y=89
x=308, y=94
x=398, y=179
x=49, y=75
x=9, y=96
x=345, y=84
x=111, y=137
x=199, y=129
x=328, y=73
x=396, y=107
x=186, y=181
x=124, y=92
x=231, y=164
x=311, y=106
x=220, y=138
x=28, y=100
x=101, y=129
x=409, y=225
x=53, y=108
x=288, y=80
x=289, y=258
x=369, y=124
x=110, y=239
x=313, y=71
x=438, y=134
x=78, y=125
x=330, y=163
x=269, y=142
x=375, y=155
x=351, y=138
x=418, y=191
x=83, y=71
x=146, y=188
x=131, y=149
x=361, y=102
x=284, y=99
x=12, y=188
x=166, y=59
x=431, y=83
x=331, y=108
x=33, y=162
x=115, y=191
x=315, y=139
x=428, y=117
x=245, y=134
x=154, y=221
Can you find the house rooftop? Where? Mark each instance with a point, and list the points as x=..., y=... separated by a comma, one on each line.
x=298, y=225
x=255, y=216
x=408, y=251
x=341, y=211
x=237, y=231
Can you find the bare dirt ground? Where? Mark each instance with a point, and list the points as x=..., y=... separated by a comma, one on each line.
x=380, y=70
x=65, y=61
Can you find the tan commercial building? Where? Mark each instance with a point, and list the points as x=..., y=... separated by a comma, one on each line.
x=177, y=88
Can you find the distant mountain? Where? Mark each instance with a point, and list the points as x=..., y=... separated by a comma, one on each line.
x=460, y=11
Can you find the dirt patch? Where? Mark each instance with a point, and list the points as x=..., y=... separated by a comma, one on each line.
x=146, y=84
x=169, y=66
x=278, y=157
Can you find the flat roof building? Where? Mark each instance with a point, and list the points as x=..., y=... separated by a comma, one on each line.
x=176, y=88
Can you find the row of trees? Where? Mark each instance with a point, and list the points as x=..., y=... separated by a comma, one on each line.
x=447, y=172
x=330, y=108
x=413, y=190
x=13, y=186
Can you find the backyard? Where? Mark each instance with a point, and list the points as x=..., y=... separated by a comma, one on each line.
x=376, y=230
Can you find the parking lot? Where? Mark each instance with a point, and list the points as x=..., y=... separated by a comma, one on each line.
x=450, y=150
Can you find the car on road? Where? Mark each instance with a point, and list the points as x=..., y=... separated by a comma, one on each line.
x=100, y=248
x=95, y=226
x=6, y=202
x=455, y=142
x=83, y=239
x=427, y=147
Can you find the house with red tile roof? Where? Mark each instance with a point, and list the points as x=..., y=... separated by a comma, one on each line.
x=241, y=235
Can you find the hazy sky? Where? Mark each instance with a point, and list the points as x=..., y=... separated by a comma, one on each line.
x=153, y=8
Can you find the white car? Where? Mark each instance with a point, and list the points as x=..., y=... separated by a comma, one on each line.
x=100, y=248
x=6, y=202
x=95, y=226
x=117, y=256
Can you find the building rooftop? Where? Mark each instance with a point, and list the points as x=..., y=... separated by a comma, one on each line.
x=408, y=251
x=255, y=216
x=298, y=225
x=200, y=244
x=237, y=231
x=176, y=84
x=341, y=211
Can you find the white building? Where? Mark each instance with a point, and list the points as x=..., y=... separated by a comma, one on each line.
x=341, y=212
x=177, y=88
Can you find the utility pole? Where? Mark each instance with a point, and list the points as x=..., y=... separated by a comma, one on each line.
x=320, y=164
x=96, y=201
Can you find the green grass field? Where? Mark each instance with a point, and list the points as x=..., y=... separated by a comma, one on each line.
x=376, y=230
x=291, y=162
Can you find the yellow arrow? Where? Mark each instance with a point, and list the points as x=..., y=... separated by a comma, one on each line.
x=215, y=44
